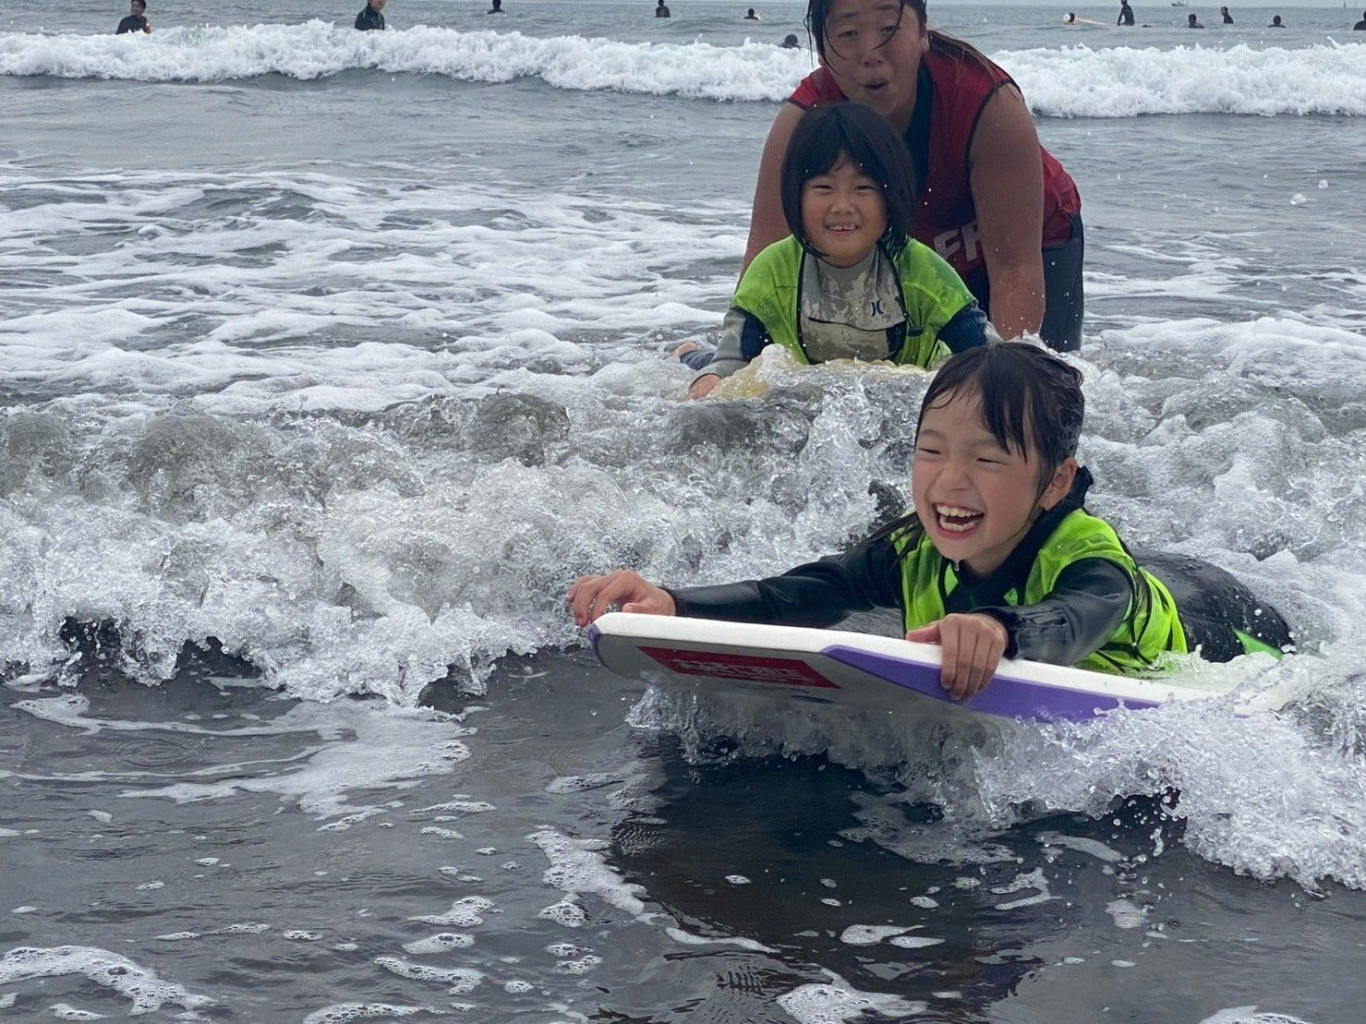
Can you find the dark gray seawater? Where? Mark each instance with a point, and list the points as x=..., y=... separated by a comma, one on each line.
x=347, y=353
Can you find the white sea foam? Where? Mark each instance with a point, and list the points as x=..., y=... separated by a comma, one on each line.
x=837, y=1001
x=1071, y=82
x=145, y=991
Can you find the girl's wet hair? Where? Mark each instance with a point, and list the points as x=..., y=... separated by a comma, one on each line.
x=1031, y=399
x=822, y=137
x=818, y=13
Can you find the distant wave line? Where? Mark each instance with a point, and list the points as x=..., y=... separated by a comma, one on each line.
x=1076, y=81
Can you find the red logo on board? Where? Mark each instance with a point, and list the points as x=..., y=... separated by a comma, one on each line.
x=746, y=667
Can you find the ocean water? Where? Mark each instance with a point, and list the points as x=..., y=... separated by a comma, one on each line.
x=328, y=360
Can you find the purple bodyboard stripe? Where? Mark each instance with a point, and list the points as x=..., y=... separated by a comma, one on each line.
x=1010, y=698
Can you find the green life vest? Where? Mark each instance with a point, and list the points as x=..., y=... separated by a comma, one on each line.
x=932, y=294
x=1150, y=627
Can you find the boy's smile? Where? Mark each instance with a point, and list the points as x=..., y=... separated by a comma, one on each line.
x=976, y=499
x=843, y=213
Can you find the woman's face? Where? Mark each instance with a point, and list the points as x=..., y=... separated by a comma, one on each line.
x=873, y=48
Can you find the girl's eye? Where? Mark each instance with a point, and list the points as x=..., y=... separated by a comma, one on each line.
x=847, y=33
x=921, y=449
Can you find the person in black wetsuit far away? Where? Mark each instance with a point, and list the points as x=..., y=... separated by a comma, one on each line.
x=1126, y=13
x=1360, y=26
x=1193, y=22
x=661, y=9
x=750, y=15
x=1223, y=13
x=136, y=20
x=497, y=8
x=370, y=19
x=791, y=42
x=1275, y=22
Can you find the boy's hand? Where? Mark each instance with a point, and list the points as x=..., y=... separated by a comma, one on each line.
x=973, y=645
x=704, y=386
x=593, y=596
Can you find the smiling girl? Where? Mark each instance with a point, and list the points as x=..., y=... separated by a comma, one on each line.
x=849, y=282
x=999, y=558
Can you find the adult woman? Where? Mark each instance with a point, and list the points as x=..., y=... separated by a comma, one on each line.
x=992, y=201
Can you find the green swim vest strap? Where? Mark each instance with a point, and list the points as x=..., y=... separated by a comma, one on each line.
x=1151, y=626
x=932, y=295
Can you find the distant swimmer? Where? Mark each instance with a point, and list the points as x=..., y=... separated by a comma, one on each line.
x=791, y=42
x=136, y=21
x=497, y=8
x=662, y=10
x=1275, y=22
x=1223, y=13
x=1071, y=18
x=750, y=15
x=1193, y=22
x=370, y=19
x=1126, y=13
x=1360, y=26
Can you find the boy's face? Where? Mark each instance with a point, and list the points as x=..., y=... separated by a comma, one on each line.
x=138, y=6
x=975, y=499
x=843, y=213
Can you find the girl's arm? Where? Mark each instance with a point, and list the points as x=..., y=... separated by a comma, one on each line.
x=1083, y=611
x=816, y=594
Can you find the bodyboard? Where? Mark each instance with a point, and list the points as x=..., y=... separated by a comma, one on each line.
x=857, y=670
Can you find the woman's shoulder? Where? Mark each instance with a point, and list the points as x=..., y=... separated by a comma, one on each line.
x=816, y=89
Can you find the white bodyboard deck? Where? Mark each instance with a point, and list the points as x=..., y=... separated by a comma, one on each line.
x=858, y=670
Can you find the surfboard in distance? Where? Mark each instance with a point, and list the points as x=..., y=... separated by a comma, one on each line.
x=858, y=670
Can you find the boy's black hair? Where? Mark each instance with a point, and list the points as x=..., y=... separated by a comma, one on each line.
x=821, y=137
x=1030, y=398
x=818, y=13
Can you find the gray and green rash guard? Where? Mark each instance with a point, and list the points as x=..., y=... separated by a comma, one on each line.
x=909, y=308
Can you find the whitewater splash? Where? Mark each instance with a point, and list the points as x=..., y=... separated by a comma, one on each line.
x=1073, y=82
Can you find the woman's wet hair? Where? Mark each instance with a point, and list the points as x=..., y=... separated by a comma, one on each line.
x=1031, y=399
x=822, y=137
x=818, y=13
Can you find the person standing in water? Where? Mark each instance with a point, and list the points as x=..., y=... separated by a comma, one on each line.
x=136, y=20
x=1223, y=13
x=990, y=200
x=1275, y=22
x=662, y=10
x=1360, y=26
x=750, y=15
x=371, y=18
x=497, y=8
x=1193, y=22
x=1126, y=13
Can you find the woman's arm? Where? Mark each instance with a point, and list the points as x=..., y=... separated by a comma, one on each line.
x=1006, y=177
x=767, y=224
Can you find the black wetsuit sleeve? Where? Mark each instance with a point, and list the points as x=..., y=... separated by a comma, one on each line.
x=816, y=594
x=1075, y=620
x=968, y=328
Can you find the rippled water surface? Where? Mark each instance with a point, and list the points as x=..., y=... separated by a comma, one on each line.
x=329, y=361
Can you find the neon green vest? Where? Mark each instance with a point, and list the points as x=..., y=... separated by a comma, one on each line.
x=931, y=291
x=1151, y=626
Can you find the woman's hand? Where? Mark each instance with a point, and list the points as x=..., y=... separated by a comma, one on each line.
x=973, y=645
x=594, y=596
